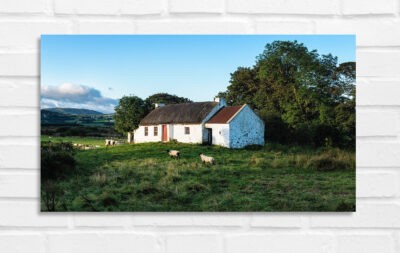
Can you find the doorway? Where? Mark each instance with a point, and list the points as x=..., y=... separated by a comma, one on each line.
x=209, y=136
x=164, y=133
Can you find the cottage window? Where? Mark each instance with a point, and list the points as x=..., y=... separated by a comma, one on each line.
x=146, y=131
x=155, y=131
x=187, y=130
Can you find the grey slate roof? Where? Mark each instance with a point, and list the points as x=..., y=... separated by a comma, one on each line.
x=186, y=113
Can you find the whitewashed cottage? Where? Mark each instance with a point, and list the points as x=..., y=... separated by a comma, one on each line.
x=202, y=122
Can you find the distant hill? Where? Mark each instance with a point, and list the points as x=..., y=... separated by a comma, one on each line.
x=51, y=117
x=77, y=117
x=73, y=111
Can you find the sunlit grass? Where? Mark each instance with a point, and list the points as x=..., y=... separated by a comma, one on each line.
x=142, y=177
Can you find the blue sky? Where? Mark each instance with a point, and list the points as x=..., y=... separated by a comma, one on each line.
x=93, y=71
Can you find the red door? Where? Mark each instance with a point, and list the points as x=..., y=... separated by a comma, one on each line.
x=164, y=133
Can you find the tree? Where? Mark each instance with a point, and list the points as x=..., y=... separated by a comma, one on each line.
x=128, y=113
x=242, y=88
x=302, y=96
x=164, y=98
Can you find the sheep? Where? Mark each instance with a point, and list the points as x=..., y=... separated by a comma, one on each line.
x=174, y=153
x=207, y=159
x=110, y=142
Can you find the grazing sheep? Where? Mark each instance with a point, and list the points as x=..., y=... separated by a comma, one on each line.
x=207, y=159
x=174, y=154
x=110, y=142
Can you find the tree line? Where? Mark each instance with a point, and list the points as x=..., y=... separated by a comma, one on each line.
x=303, y=97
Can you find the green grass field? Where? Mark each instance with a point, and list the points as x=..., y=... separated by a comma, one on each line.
x=99, y=141
x=142, y=177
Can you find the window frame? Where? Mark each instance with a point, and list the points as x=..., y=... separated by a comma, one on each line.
x=155, y=131
x=146, y=131
x=187, y=130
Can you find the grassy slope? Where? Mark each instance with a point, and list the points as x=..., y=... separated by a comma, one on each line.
x=142, y=177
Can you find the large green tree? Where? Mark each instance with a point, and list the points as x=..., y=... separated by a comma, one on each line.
x=302, y=96
x=128, y=113
x=164, y=98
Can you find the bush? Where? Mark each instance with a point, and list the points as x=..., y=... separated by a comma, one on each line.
x=57, y=160
x=332, y=160
x=253, y=147
x=276, y=130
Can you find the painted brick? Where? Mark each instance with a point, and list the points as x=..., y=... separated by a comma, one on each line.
x=199, y=27
x=105, y=27
x=378, y=93
x=21, y=243
x=10, y=157
x=371, y=215
x=283, y=27
x=368, y=7
x=369, y=32
x=279, y=243
x=202, y=6
x=15, y=125
x=220, y=219
x=104, y=242
x=377, y=123
x=376, y=184
x=187, y=220
x=19, y=185
x=142, y=219
x=193, y=243
x=19, y=93
x=377, y=63
x=276, y=220
x=26, y=34
x=22, y=6
x=365, y=243
x=373, y=228
x=143, y=7
x=28, y=64
x=101, y=220
x=27, y=214
x=287, y=7
x=377, y=154
x=109, y=7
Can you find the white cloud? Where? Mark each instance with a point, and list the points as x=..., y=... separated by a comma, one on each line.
x=76, y=96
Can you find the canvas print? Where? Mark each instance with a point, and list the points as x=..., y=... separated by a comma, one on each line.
x=198, y=123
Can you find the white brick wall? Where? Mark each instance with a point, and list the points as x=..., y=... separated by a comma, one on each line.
x=375, y=227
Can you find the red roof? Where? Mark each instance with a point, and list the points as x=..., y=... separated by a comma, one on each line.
x=224, y=115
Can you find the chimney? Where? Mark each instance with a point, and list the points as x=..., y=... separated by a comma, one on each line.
x=221, y=101
x=156, y=105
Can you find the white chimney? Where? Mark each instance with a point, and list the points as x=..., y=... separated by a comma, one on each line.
x=156, y=105
x=220, y=101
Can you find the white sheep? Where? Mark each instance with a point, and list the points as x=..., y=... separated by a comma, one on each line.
x=174, y=153
x=110, y=142
x=207, y=159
